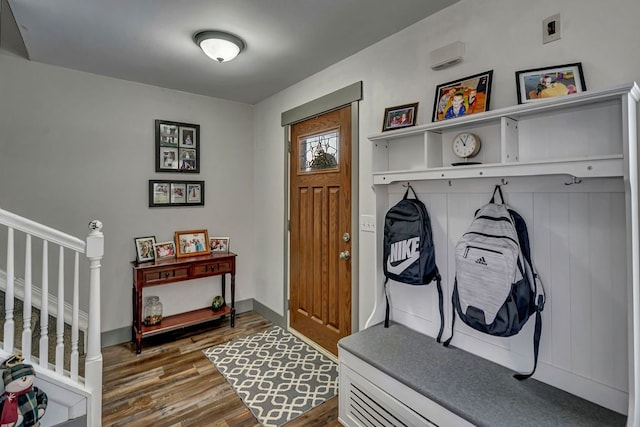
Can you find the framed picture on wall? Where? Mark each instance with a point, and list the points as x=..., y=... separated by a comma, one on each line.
x=177, y=147
x=549, y=82
x=463, y=97
x=171, y=193
x=401, y=116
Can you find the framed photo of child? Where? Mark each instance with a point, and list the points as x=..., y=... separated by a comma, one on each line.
x=549, y=82
x=463, y=97
x=144, y=248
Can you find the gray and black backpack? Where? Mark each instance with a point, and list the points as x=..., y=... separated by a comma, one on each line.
x=408, y=252
x=496, y=288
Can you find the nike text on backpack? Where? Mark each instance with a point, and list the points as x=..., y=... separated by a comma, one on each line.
x=409, y=255
x=496, y=288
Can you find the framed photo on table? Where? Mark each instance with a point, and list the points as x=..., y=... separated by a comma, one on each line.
x=144, y=248
x=177, y=147
x=219, y=244
x=549, y=82
x=191, y=243
x=164, y=250
x=463, y=97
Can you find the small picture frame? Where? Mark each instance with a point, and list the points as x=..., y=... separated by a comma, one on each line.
x=144, y=248
x=463, y=97
x=169, y=193
x=177, y=147
x=164, y=250
x=401, y=116
x=549, y=82
x=191, y=243
x=219, y=244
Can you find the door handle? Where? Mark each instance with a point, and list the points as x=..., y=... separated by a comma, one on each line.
x=345, y=255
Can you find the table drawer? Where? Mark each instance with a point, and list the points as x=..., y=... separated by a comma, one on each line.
x=212, y=267
x=165, y=275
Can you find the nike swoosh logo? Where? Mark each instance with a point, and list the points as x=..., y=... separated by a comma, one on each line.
x=398, y=269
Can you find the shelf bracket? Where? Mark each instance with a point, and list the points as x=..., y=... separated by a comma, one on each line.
x=574, y=180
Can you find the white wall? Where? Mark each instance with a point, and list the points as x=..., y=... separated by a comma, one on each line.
x=503, y=35
x=76, y=146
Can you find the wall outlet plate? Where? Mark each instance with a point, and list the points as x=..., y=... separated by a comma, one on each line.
x=551, y=29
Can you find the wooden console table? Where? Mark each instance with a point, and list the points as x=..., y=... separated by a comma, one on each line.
x=178, y=270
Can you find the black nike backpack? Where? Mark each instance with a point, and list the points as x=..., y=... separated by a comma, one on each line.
x=408, y=252
x=496, y=287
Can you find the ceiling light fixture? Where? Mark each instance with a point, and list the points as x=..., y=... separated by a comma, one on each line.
x=218, y=45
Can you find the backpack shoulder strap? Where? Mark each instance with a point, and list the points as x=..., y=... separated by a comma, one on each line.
x=497, y=191
x=406, y=193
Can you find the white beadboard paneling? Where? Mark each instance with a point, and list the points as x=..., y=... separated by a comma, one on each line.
x=578, y=240
x=556, y=335
x=580, y=284
x=602, y=288
x=619, y=348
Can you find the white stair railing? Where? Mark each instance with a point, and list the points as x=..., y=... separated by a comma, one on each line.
x=93, y=249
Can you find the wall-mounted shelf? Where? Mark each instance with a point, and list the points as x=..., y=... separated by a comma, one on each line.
x=576, y=135
x=585, y=238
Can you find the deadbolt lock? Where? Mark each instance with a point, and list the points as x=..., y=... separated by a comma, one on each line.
x=346, y=237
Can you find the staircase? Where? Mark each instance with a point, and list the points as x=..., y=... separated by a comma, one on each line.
x=72, y=396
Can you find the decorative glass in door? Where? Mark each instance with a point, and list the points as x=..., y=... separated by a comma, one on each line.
x=319, y=151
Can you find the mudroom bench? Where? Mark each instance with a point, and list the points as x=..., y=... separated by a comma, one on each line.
x=396, y=376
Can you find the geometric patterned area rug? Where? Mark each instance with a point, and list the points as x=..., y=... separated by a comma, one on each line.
x=278, y=376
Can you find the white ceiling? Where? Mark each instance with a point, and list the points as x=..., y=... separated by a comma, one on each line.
x=150, y=41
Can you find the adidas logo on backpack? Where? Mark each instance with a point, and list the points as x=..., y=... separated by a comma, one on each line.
x=496, y=288
x=481, y=261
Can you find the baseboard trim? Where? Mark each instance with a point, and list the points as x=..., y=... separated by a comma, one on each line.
x=269, y=314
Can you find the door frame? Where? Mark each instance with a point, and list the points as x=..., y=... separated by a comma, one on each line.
x=349, y=95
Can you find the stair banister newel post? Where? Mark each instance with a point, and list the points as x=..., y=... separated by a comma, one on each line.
x=93, y=364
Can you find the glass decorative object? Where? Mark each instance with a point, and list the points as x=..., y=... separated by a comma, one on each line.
x=152, y=311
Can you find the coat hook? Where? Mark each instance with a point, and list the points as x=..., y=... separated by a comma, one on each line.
x=503, y=181
x=574, y=180
x=450, y=184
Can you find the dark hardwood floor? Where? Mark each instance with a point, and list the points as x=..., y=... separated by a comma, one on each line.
x=172, y=384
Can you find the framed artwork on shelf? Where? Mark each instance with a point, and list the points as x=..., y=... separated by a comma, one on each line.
x=401, y=116
x=549, y=82
x=219, y=244
x=167, y=193
x=177, y=147
x=144, y=248
x=463, y=97
x=191, y=243
x=164, y=250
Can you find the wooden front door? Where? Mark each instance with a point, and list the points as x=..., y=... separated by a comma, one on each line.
x=320, y=236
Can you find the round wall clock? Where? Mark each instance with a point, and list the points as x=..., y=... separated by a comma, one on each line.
x=465, y=145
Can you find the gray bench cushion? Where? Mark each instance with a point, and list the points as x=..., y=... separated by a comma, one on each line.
x=482, y=392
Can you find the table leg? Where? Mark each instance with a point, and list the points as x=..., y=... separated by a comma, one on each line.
x=233, y=300
x=137, y=319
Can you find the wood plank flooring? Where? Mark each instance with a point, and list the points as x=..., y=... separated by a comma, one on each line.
x=172, y=384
